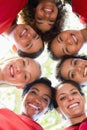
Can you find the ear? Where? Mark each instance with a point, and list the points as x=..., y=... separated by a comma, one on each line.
x=14, y=48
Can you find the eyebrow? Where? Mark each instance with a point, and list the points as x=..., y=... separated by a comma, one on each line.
x=44, y=94
x=65, y=93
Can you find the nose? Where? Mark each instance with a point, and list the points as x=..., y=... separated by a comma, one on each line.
x=70, y=98
x=18, y=70
x=29, y=36
x=69, y=41
x=46, y=15
x=78, y=69
x=38, y=100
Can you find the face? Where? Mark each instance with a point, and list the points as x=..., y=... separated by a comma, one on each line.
x=27, y=40
x=67, y=43
x=74, y=69
x=45, y=15
x=70, y=101
x=36, y=100
x=20, y=71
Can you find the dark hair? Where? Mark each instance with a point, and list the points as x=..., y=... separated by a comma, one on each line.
x=28, y=16
x=31, y=55
x=51, y=53
x=62, y=60
x=76, y=85
x=45, y=81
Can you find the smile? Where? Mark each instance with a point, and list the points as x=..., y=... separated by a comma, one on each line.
x=74, y=38
x=11, y=71
x=85, y=72
x=73, y=105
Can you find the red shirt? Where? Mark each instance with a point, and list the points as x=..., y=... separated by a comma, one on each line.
x=79, y=126
x=12, y=121
x=80, y=7
x=8, y=12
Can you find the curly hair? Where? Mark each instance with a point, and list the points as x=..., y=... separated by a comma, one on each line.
x=62, y=60
x=28, y=16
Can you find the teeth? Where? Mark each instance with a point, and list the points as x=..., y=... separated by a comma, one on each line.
x=85, y=71
x=48, y=10
x=75, y=39
x=24, y=31
x=34, y=106
x=73, y=105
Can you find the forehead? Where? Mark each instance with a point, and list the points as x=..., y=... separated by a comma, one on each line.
x=65, y=88
x=42, y=87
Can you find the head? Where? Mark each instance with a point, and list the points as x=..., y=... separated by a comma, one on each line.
x=72, y=68
x=19, y=71
x=28, y=42
x=68, y=42
x=46, y=13
x=41, y=15
x=70, y=100
x=37, y=98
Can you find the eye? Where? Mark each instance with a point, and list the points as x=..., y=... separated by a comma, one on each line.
x=27, y=44
x=74, y=93
x=62, y=98
x=33, y=92
x=23, y=63
x=39, y=18
x=51, y=20
x=35, y=35
x=25, y=76
x=73, y=75
x=75, y=62
x=46, y=100
x=60, y=39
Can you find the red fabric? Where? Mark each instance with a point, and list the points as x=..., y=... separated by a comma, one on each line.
x=80, y=7
x=80, y=126
x=8, y=12
x=11, y=121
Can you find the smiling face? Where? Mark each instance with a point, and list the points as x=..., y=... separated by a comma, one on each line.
x=45, y=15
x=71, y=102
x=27, y=40
x=20, y=71
x=36, y=100
x=74, y=69
x=67, y=43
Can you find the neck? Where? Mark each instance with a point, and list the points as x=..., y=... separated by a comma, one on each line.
x=78, y=119
x=84, y=33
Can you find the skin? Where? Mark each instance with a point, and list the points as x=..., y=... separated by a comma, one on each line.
x=19, y=71
x=46, y=14
x=67, y=43
x=71, y=102
x=26, y=38
x=36, y=100
x=75, y=69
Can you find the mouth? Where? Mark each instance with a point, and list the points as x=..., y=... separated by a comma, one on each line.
x=48, y=10
x=73, y=105
x=74, y=38
x=23, y=33
x=85, y=72
x=11, y=71
x=34, y=107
